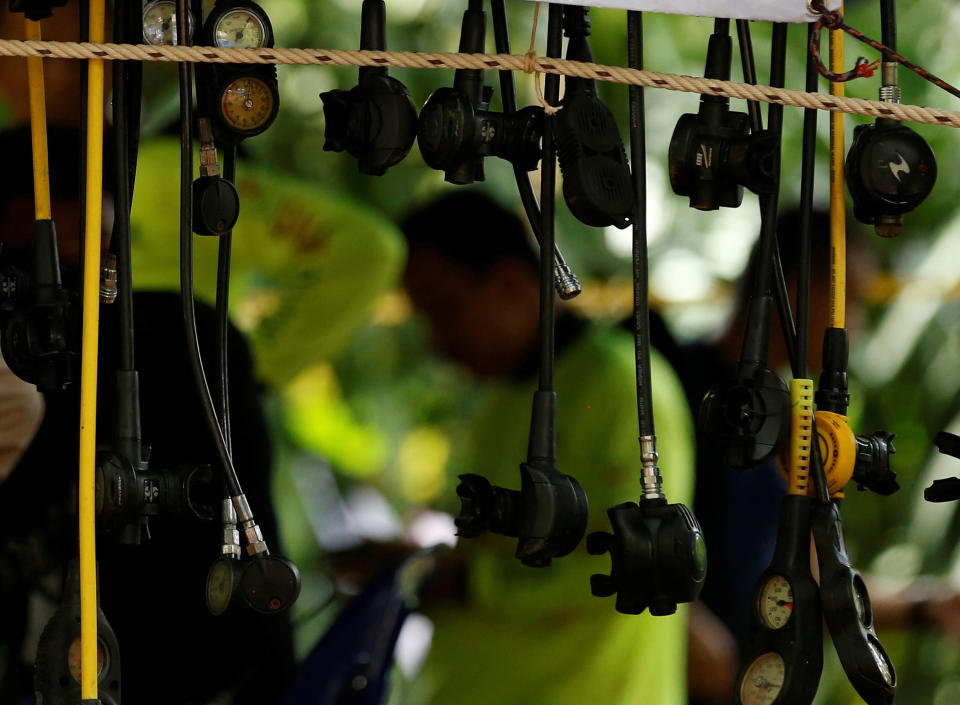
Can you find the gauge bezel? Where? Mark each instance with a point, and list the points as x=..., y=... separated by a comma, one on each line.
x=221, y=10
x=191, y=23
x=762, y=596
x=229, y=126
x=745, y=681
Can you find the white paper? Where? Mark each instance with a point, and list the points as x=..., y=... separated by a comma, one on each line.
x=766, y=10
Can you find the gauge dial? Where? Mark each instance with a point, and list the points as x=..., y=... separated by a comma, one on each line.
x=160, y=23
x=763, y=680
x=73, y=658
x=248, y=105
x=776, y=602
x=240, y=29
x=883, y=662
x=221, y=585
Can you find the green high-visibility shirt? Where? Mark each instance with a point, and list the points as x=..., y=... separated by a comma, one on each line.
x=536, y=636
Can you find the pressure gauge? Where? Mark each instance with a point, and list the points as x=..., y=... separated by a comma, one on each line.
x=73, y=658
x=763, y=680
x=240, y=28
x=248, y=105
x=222, y=583
x=776, y=602
x=160, y=23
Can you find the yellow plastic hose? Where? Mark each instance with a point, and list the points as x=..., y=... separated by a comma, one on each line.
x=838, y=214
x=88, y=372
x=38, y=128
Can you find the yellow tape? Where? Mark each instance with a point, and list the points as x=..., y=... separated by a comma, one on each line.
x=801, y=434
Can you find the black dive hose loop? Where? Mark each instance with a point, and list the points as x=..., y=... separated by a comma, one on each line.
x=807, y=174
x=638, y=159
x=186, y=263
x=224, y=251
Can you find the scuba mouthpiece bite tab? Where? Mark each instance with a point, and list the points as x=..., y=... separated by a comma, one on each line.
x=713, y=153
x=375, y=121
x=457, y=130
x=596, y=176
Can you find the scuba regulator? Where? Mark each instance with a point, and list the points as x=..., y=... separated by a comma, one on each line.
x=548, y=515
x=596, y=177
x=713, y=154
x=375, y=121
x=890, y=169
x=657, y=552
x=457, y=130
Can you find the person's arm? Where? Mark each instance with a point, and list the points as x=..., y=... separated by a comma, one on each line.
x=21, y=411
x=712, y=659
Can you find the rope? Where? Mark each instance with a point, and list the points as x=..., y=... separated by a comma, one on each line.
x=530, y=65
x=497, y=62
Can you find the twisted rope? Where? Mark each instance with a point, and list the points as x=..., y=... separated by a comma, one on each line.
x=495, y=62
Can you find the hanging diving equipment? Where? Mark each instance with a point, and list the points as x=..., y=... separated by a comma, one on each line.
x=548, y=515
x=375, y=121
x=657, y=552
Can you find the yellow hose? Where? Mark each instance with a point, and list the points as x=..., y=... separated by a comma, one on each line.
x=838, y=214
x=88, y=373
x=38, y=128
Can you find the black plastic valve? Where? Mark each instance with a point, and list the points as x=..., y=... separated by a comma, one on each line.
x=547, y=516
x=457, y=130
x=40, y=336
x=596, y=177
x=127, y=494
x=375, y=121
x=713, y=154
x=657, y=553
x=36, y=9
x=872, y=468
x=890, y=171
x=216, y=206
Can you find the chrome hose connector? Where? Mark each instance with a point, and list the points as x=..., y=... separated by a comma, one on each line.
x=650, y=478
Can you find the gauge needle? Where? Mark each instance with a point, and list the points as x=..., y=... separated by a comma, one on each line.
x=784, y=603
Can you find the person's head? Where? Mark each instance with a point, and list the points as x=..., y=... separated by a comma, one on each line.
x=473, y=274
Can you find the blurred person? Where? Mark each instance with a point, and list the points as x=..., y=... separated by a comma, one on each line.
x=152, y=594
x=517, y=634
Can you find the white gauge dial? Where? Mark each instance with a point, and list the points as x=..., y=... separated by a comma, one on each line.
x=776, y=602
x=160, y=23
x=763, y=680
x=240, y=29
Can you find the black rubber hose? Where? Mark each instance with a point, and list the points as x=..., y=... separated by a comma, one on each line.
x=186, y=264
x=888, y=23
x=508, y=96
x=548, y=185
x=122, y=197
x=84, y=12
x=223, y=308
x=807, y=173
x=781, y=294
x=749, y=68
x=638, y=160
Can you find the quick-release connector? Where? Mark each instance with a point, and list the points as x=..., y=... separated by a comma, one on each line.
x=231, y=535
x=650, y=478
x=249, y=527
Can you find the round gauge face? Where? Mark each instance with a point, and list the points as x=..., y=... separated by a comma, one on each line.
x=763, y=680
x=73, y=658
x=247, y=104
x=220, y=585
x=160, y=23
x=240, y=29
x=883, y=663
x=776, y=602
